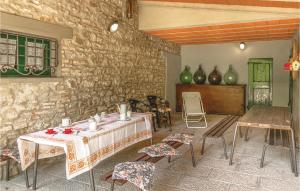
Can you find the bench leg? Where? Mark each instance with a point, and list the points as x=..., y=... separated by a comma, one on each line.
x=169, y=159
x=112, y=185
x=225, y=149
x=7, y=169
x=203, y=145
x=263, y=156
x=193, y=155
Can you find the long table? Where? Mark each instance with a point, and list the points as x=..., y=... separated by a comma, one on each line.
x=268, y=117
x=84, y=149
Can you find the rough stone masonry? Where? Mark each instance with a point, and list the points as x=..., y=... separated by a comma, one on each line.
x=97, y=67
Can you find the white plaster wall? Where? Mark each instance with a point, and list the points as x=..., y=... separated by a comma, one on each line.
x=222, y=55
x=173, y=67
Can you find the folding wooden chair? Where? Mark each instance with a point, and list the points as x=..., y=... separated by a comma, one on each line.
x=193, y=110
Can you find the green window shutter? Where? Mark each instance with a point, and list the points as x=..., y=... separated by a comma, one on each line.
x=260, y=81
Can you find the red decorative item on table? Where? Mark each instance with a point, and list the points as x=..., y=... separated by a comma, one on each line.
x=51, y=131
x=68, y=130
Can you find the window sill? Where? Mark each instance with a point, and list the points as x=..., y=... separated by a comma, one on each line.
x=7, y=80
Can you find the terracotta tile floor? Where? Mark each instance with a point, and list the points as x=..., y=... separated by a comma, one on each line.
x=212, y=172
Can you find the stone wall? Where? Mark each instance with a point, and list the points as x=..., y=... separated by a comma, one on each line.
x=97, y=67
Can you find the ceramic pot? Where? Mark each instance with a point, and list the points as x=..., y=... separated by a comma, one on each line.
x=186, y=76
x=230, y=76
x=199, y=76
x=215, y=77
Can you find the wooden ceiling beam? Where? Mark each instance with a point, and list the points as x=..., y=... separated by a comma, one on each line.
x=215, y=41
x=229, y=32
x=241, y=38
x=272, y=23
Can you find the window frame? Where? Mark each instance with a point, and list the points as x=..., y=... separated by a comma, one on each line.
x=49, y=44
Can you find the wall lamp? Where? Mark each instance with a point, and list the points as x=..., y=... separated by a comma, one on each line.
x=242, y=45
x=113, y=27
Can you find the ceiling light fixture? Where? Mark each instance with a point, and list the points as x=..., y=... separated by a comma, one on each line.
x=113, y=27
x=242, y=45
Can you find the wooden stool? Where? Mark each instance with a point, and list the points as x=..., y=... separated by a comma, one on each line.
x=138, y=173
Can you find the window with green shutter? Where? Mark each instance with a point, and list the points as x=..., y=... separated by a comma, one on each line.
x=27, y=56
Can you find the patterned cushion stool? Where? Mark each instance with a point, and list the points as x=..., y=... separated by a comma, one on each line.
x=12, y=154
x=159, y=150
x=184, y=138
x=138, y=173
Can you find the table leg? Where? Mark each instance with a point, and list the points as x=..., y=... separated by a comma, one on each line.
x=291, y=152
x=233, y=144
x=294, y=153
x=246, y=134
x=241, y=133
x=26, y=178
x=263, y=155
x=92, y=181
x=36, y=157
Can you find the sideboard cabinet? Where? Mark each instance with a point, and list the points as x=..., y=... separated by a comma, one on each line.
x=217, y=99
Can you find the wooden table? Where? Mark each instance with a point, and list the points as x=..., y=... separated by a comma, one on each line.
x=268, y=117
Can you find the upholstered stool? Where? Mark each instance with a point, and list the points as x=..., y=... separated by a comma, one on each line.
x=159, y=150
x=138, y=173
x=184, y=138
x=12, y=154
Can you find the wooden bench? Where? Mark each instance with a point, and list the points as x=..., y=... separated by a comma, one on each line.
x=143, y=157
x=218, y=130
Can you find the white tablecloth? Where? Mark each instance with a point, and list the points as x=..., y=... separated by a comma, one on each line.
x=87, y=148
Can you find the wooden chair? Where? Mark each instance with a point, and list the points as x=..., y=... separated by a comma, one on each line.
x=138, y=173
x=218, y=130
x=140, y=106
x=12, y=154
x=165, y=113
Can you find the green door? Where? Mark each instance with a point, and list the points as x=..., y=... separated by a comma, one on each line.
x=260, y=81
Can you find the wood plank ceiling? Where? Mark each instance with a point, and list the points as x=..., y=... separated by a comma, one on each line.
x=236, y=32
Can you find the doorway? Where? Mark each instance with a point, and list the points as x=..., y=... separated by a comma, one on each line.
x=173, y=68
x=260, y=81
